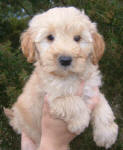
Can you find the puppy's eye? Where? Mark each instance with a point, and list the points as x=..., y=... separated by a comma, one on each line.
x=50, y=37
x=77, y=38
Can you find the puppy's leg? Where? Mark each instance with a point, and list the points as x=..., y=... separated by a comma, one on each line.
x=105, y=130
x=74, y=111
x=25, y=115
x=80, y=118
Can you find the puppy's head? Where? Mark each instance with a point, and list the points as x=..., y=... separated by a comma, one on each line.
x=63, y=40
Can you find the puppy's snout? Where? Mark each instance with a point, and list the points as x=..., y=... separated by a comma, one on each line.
x=65, y=60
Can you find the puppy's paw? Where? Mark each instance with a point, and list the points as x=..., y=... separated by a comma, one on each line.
x=105, y=136
x=78, y=126
x=57, y=112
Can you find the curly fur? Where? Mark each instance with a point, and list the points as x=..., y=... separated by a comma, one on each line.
x=61, y=84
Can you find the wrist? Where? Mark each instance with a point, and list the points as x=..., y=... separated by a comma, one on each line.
x=48, y=144
x=48, y=147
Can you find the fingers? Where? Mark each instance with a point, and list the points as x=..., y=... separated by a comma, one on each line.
x=96, y=89
x=95, y=100
x=46, y=106
x=80, y=90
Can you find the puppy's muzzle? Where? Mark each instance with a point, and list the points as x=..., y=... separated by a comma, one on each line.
x=65, y=60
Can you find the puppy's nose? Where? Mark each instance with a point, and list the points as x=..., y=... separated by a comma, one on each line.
x=65, y=60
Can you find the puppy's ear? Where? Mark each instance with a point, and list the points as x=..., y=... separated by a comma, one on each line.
x=99, y=47
x=28, y=46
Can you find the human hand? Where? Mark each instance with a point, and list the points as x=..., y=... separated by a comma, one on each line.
x=55, y=135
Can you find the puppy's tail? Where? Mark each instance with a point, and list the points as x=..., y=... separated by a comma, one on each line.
x=8, y=113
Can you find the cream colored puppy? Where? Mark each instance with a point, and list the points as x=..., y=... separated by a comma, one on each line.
x=66, y=47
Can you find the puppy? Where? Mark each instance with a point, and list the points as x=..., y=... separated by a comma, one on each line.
x=66, y=48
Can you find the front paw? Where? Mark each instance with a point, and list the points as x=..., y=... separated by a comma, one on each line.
x=105, y=136
x=57, y=111
x=78, y=126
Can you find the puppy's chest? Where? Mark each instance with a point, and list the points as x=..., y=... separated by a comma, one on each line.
x=61, y=87
x=56, y=87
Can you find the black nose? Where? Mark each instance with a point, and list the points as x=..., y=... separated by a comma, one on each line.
x=65, y=60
